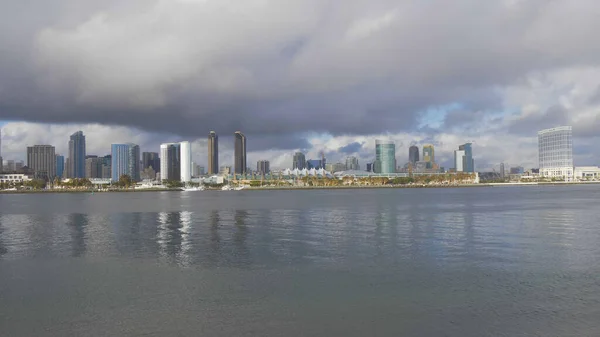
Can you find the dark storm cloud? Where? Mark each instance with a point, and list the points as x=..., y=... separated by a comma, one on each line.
x=462, y=119
x=351, y=148
x=273, y=69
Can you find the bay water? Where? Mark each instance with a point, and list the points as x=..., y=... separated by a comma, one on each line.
x=502, y=261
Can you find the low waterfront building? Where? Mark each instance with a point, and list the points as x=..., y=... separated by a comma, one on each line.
x=587, y=173
x=14, y=178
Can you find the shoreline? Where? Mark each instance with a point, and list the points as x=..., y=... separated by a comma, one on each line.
x=282, y=188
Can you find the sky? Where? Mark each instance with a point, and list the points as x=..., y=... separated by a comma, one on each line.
x=302, y=75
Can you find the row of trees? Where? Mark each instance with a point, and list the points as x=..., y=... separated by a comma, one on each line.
x=451, y=178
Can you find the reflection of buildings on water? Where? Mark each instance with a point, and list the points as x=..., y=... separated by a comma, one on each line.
x=220, y=248
x=3, y=249
x=129, y=236
x=385, y=235
x=214, y=244
x=184, y=256
x=77, y=224
x=173, y=236
x=241, y=253
x=168, y=236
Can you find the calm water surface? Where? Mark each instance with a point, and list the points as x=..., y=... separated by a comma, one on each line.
x=514, y=261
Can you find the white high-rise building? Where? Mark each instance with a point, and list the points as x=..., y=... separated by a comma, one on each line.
x=164, y=163
x=556, y=152
x=186, y=161
x=458, y=160
x=176, y=161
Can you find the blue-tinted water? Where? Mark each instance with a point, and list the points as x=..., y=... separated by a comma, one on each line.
x=518, y=261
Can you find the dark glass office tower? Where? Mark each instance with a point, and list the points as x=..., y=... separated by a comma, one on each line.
x=213, y=153
x=76, y=167
x=240, y=153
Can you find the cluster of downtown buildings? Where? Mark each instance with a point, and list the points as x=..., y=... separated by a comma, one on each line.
x=173, y=163
x=385, y=162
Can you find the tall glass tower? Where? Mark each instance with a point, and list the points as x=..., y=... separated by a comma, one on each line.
x=385, y=156
x=60, y=166
x=429, y=156
x=463, y=159
x=213, y=153
x=299, y=161
x=125, y=159
x=413, y=154
x=556, y=152
x=240, y=153
x=77, y=155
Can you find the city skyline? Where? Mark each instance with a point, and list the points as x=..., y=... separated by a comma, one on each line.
x=426, y=150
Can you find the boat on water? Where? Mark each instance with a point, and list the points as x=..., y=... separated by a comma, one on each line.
x=193, y=189
x=226, y=188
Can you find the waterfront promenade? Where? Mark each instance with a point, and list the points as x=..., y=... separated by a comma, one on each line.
x=300, y=187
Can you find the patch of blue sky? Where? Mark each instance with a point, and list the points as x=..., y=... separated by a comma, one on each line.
x=434, y=116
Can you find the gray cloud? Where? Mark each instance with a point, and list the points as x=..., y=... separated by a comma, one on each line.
x=554, y=116
x=276, y=70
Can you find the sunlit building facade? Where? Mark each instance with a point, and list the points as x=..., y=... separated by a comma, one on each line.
x=463, y=159
x=429, y=156
x=555, y=149
x=186, y=161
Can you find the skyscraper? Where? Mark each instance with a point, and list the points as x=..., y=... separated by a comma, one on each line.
x=352, y=163
x=429, y=156
x=150, y=159
x=170, y=161
x=463, y=159
x=385, y=156
x=42, y=160
x=555, y=148
x=107, y=167
x=134, y=162
x=60, y=166
x=125, y=159
x=213, y=153
x=186, y=161
x=77, y=155
x=240, y=153
x=120, y=161
x=413, y=154
x=262, y=167
x=299, y=161
x=93, y=167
